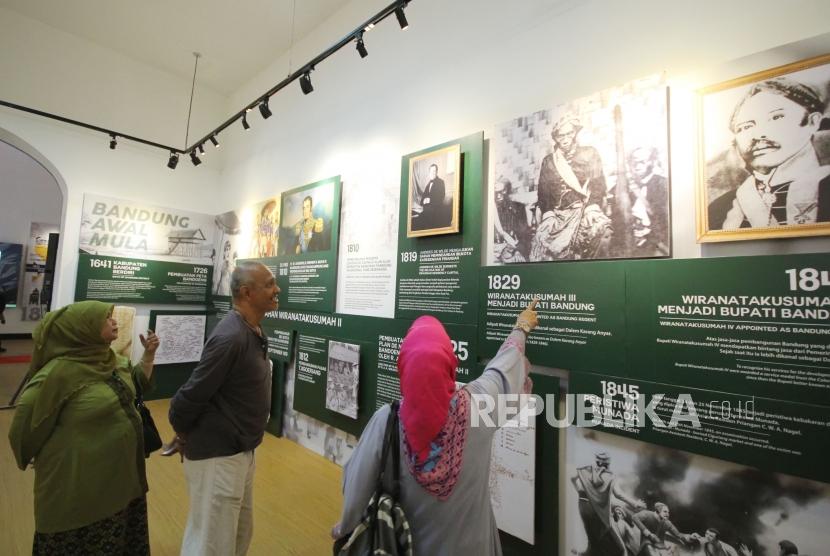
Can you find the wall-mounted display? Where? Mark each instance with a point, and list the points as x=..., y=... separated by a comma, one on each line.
x=306, y=268
x=434, y=192
x=33, y=300
x=11, y=255
x=765, y=156
x=585, y=180
x=138, y=281
x=266, y=234
x=758, y=325
x=226, y=250
x=184, y=336
x=369, y=245
x=122, y=228
x=624, y=496
x=307, y=219
x=342, y=378
x=431, y=270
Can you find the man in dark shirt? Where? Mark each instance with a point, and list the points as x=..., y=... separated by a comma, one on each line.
x=220, y=414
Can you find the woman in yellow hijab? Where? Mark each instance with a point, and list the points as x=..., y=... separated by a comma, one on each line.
x=77, y=425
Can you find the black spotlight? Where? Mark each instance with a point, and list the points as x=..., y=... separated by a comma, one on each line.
x=305, y=83
x=361, y=48
x=215, y=141
x=194, y=158
x=201, y=150
x=401, y=17
x=173, y=161
x=113, y=142
x=245, y=123
x=264, y=110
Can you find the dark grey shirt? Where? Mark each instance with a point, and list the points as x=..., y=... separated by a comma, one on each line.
x=223, y=407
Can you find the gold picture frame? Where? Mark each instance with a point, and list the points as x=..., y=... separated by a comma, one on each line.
x=434, y=197
x=763, y=156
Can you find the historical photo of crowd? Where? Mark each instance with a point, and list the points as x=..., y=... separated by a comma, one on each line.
x=628, y=498
x=342, y=377
x=585, y=180
x=766, y=146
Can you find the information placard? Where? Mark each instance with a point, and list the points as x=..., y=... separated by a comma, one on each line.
x=765, y=433
x=581, y=312
x=306, y=267
x=759, y=325
x=434, y=271
x=124, y=280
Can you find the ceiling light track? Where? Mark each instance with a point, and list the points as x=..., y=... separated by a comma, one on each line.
x=303, y=75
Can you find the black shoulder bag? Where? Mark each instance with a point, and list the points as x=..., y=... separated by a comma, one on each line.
x=384, y=528
x=152, y=440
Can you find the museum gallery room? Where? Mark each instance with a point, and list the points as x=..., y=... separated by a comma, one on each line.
x=473, y=277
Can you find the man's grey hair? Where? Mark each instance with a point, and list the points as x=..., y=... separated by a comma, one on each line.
x=242, y=275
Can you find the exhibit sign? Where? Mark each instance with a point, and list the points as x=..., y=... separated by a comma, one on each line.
x=308, y=239
x=117, y=279
x=368, y=236
x=433, y=270
x=122, y=228
x=581, y=312
x=280, y=342
x=757, y=325
x=588, y=179
x=765, y=433
x=33, y=300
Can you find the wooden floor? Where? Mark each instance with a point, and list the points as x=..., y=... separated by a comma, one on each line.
x=296, y=498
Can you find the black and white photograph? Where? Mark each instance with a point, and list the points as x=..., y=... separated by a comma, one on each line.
x=584, y=180
x=226, y=251
x=628, y=498
x=342, y=377
x=434, y=193
x=765, y=147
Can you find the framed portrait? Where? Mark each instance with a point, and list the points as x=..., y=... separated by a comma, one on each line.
x=434, y=193
x=764, y=168
x=585, y=180
x=306, y=219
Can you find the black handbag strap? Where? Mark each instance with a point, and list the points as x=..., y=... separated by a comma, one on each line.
x=391, y=442
x=139, y=398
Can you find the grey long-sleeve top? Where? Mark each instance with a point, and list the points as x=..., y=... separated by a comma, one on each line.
x=463, y=523
x=224, y=406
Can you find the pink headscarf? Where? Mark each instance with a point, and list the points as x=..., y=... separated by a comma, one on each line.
x=426, y=367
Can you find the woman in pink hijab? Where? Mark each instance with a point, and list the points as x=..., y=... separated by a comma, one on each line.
x=445, y=461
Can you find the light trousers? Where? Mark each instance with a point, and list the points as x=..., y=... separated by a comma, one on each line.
x=221, y=518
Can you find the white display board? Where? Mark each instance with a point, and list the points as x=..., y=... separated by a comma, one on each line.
x=181, y=338
x=513, y=478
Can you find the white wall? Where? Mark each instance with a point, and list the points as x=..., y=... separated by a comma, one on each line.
x=29, y=194
x=466, y=65
x=81, y=164
x=53, y=71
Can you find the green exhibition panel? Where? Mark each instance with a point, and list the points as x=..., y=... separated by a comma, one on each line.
x=465, y=345
x=306, y=267
x=756, y=325
x=770, y=434
x=280, y=342
x=581, y=312
x=435, y=272
x=124, y=280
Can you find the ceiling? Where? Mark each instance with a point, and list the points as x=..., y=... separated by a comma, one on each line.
x=237, y=39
